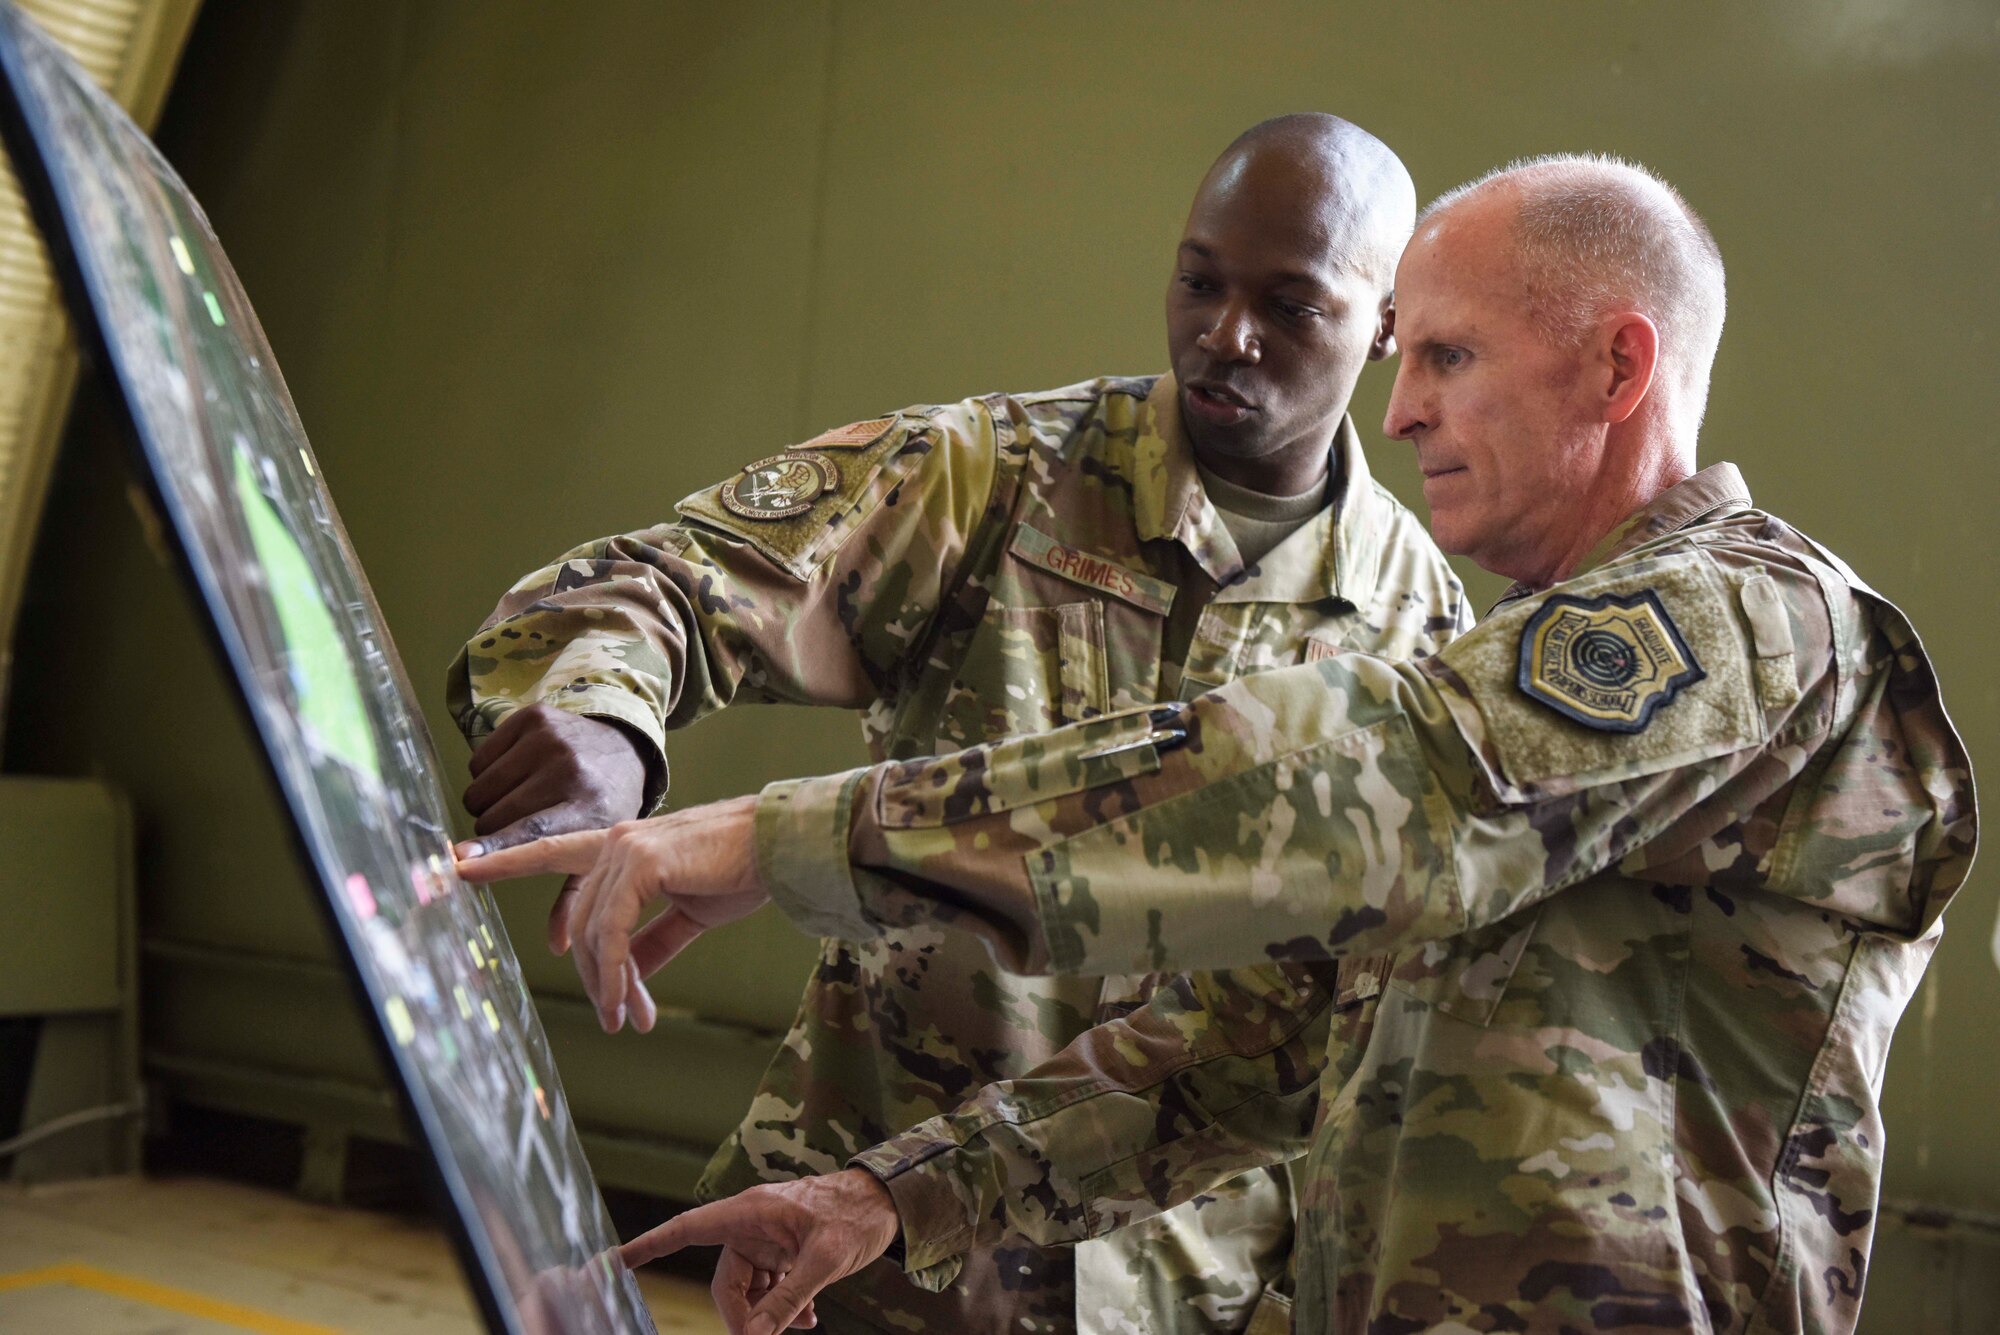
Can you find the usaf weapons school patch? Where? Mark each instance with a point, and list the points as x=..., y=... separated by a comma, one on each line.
x=1608, y=662
x=780, y=486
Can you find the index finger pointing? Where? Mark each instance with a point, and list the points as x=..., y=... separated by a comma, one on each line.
x=652, y=1244
x=570, y=854
x=717, y=1224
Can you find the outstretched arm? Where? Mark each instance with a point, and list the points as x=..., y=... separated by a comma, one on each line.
x=1215, y=1074
x=1350, y=806
x=567, y=691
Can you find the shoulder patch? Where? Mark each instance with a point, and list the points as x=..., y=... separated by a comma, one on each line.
x=1667, y=682
x=854, y=436
x=780, y=486
x=1608, y=662
x=798, y=506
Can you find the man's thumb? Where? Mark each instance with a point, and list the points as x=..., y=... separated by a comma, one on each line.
x=791, y=1294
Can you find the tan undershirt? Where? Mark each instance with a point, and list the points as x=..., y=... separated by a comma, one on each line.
x=1257, y=524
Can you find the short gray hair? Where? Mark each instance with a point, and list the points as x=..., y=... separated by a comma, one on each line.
x=1595, y=234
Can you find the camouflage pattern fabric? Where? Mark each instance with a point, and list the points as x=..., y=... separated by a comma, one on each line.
x=1611, y=1003
x=974, y=571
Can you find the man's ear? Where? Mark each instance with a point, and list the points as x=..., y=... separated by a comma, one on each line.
x=1630, y=346
x=1385, y=331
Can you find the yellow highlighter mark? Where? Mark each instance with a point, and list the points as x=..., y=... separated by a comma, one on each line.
x=160, y=1295
x=400, y=1023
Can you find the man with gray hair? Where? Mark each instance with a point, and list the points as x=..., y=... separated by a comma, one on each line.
x=1622, y=892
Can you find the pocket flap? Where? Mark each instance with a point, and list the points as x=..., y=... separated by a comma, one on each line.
x=1466, y=976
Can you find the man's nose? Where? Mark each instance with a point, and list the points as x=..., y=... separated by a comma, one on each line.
x=1405, y=416
x=1233, y=337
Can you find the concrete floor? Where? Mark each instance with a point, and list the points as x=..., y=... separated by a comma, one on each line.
x=191, y=1256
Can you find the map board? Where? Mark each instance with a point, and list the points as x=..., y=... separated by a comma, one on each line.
x=160, y=313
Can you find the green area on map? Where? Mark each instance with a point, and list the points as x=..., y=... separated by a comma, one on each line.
x=330, y=701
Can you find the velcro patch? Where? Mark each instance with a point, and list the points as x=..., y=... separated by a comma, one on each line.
x=1607, y=662
x=1540, y=751
x=780, y=486
x=774, y=512
x=1093, y=572
x=854, y=436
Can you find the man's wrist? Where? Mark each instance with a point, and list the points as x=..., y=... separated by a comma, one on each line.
x=874, y=1211
x=650, y=757
x=635, y=720
x=937, y=1221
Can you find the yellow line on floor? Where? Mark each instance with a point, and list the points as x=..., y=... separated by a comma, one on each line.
x=159, y=1295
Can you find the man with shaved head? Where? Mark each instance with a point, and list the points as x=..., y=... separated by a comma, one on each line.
x=1624, y=890
x=978, y=570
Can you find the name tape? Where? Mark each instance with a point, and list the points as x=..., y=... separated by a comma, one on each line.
x=1092, y=571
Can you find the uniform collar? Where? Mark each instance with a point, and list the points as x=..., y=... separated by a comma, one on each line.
x=1168, y=500
x=1333, y=554
x=1687, y=502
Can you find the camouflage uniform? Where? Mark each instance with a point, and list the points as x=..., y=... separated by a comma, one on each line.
x=971, y=572
x=1625, y=891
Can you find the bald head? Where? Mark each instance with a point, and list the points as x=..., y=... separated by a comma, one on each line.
x=1281, y=293
x=1341, y=180
x=1591, y=236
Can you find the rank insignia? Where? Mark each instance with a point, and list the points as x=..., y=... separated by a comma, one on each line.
x=1606, y=662
x=780, y=486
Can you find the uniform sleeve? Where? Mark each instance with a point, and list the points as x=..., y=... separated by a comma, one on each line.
x=1358, y=806
x=1213, y=1076
x=657, y=628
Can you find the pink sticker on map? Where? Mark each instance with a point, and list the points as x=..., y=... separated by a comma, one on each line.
x=359, y=895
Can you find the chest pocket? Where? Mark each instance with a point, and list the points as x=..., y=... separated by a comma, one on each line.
x=1467, y=976
x=1034, y=668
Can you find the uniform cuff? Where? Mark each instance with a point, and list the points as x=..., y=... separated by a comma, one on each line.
x=609, y=704
x=802, y=855
x=939, y=1221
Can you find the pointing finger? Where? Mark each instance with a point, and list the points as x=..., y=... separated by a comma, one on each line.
x=568, y=853
x=717, y=1224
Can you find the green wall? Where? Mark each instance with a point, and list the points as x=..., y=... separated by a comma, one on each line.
x=536, y=271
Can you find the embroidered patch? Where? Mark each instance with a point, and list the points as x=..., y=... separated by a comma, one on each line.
x=780, y=486
x=1607, y=662
x=1093, y=572
x=854, y=436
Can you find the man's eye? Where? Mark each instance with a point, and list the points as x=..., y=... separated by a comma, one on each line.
x=1451, y=358
x=1194, y=282
x=1293, y=310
